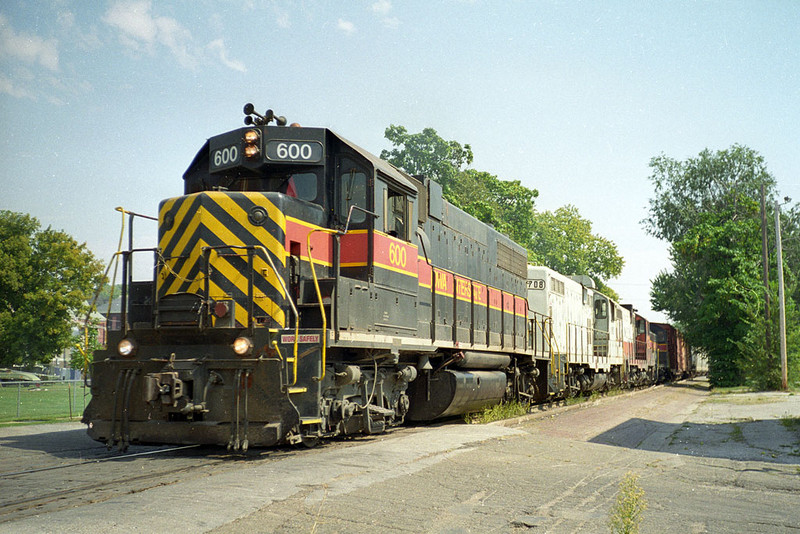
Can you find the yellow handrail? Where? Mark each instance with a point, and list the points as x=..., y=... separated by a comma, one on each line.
x=287, y=297
x=294, y=309
x=552, y=342
x=319, y=294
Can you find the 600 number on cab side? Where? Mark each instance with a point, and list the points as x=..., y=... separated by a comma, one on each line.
x=225, y=157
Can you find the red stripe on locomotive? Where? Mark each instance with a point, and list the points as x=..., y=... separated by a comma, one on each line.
x=297, y=242
x=480, y=294
x=353, y=249
x=394, y=254
x=425, y=273
x=444, y=283
x=463, y=289
x=508, y=303
x=495, y=299
x=521, y=306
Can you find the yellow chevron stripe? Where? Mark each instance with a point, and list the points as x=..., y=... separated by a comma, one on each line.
x=215, y=292
x=239, y=311
x=177, y=282
x=165, y=208
x=191, y=229
x=228, y=237
x=239, y=280
x=193, y=259
x=259, y=232
x=186, y=205
x=194, y=255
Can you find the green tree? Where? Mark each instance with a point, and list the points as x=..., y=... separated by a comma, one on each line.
x=684, y=191
x=715, y=290
x=426, y=153
x=561, y=240
x=506, y=205
x=790, y=230
x=45, y=280
x=707, y=209
x=564, y=242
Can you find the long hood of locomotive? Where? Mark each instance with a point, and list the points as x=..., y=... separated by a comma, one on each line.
x=208, y=227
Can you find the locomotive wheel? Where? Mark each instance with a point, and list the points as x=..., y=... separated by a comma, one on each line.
x=310, y=441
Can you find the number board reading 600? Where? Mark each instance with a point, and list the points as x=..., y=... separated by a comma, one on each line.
x=297, y=151
x=224, y=157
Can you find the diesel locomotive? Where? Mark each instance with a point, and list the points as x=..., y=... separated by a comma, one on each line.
x=303, y=288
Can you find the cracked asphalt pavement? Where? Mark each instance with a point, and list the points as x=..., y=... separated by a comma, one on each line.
x=706, y=462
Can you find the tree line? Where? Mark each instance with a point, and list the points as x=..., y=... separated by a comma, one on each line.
x=708, y=209
x=560, y=239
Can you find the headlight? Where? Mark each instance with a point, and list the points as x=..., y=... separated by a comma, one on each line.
x=252, y=144
x=126, y=347
x=242, y=346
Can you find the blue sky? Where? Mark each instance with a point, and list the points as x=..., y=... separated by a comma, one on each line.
x=104, y=104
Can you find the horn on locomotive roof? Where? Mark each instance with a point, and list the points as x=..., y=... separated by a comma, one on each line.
x=260, y=120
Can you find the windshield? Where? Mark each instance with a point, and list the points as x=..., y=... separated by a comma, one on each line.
x=298, y=184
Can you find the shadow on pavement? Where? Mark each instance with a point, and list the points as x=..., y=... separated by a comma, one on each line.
x=67, y=444
x=760, y=440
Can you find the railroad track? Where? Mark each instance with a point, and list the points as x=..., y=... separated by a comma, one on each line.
x=47, y=478
x=44, y=481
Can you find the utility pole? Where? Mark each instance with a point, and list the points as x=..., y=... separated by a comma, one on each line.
x=765, y=265
x=781, y=302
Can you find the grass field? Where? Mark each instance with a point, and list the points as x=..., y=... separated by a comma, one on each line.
x=50, y=401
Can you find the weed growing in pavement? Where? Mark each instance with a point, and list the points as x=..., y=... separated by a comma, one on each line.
x=505, y=410
x=736, y=433
x=733, y=389
x=743, y=400
x=593, y=396
x=628, y=511
x=790, y=423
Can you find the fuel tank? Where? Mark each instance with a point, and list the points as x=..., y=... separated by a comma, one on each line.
x=449, y=392
x=483, y=360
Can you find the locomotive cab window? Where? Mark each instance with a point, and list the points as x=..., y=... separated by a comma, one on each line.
x=600, y=309
x=302, y=185
x=296, y=183
x=395, y=214
x=352, y=192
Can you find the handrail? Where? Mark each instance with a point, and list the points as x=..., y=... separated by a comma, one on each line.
x=553, y=342
x=330, y=231
x=126, y=280
x=294, y=310
x=319, y=295
x=286, y=294
x=547, y=334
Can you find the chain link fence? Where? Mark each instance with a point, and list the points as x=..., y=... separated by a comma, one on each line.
x=43, y=401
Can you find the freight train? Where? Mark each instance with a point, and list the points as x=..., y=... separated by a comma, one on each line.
x=303, y=288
